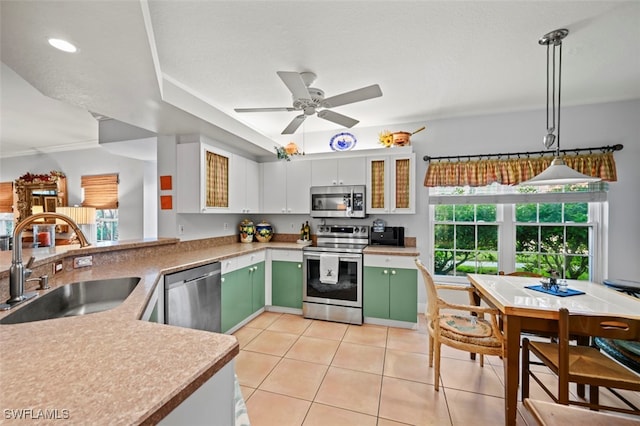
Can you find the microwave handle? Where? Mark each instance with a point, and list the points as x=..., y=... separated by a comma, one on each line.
x=350, y=206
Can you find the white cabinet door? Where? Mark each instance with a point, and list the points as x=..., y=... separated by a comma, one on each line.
x=244, y=186
x=252, y=172
x=274, y=187
x=237, y=185
x=298, y=184
x=324, y=172
x=285, y=187
x=351, y=171
x=343, y=171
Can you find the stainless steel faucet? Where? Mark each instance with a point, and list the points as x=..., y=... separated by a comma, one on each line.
x=19, y=272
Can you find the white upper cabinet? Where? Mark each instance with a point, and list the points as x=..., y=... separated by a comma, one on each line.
x=244, y=186
x=203, y=173
x=343, y=171
x=391, y=184
x=285, y=187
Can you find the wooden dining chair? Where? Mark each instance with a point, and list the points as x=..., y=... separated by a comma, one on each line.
x=461, y=327
x=584, y=365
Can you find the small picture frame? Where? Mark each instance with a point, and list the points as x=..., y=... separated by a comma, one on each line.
x=36, y=201
x=50, y=204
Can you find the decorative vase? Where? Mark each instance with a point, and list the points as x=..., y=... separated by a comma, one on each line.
x=247, y=230
x=264, y=232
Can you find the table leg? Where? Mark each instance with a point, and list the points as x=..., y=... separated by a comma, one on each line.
x=512, y=328
x=476, y=301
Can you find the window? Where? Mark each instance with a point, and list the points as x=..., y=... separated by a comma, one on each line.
x=555, y=237
x=465, y=239
x=101, y=192
x=522, y=229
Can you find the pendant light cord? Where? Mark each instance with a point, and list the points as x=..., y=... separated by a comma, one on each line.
x=559, y=84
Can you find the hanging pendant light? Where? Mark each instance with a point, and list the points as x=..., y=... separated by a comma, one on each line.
x=558, y=173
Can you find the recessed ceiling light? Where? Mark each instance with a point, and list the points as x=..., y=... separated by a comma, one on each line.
x=63, y=45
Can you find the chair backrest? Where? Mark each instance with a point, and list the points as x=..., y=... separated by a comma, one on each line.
x=432, y=293
x=521, y=274
x=606, y=326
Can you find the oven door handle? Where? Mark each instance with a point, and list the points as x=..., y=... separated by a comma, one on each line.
x=345, y=256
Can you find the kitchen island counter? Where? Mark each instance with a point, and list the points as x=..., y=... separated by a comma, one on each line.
x=111, y=367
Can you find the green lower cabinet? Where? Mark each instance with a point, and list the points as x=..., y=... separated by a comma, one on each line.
x=376, y=292
x=286, y=284
x=236, y=298
x=391, y=293
x=242, y=294
x=257, y=281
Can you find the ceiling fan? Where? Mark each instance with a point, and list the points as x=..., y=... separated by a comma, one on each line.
x=311, y=101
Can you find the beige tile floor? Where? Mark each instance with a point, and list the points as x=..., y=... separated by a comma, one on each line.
x=296, y=371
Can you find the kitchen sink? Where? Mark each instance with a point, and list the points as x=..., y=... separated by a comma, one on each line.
x=80, y=298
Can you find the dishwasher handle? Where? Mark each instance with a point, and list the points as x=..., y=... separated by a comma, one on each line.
x=193, y=274
x=169, y=286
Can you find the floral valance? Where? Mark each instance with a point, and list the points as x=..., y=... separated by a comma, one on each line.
x=512, y=171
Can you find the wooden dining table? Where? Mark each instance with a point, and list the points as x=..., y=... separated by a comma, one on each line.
x=524, y=309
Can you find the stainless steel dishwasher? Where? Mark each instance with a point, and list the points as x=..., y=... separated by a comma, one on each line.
x=192, y=298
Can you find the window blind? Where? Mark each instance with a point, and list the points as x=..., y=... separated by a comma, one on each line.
x=100, y=191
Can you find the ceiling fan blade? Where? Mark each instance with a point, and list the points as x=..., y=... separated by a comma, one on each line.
x=295, y=83
x=293, y=126
x=357, y=95
x=340, y=119
x=264, y=109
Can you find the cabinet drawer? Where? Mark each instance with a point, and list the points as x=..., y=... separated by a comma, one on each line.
x=406, y=262
x=287, y=255
x=228, y=265
x=250, y=259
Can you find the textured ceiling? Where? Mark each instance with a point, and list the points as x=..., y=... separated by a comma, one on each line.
x=182, y=66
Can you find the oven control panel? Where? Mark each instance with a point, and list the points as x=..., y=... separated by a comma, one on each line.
x=345, y=231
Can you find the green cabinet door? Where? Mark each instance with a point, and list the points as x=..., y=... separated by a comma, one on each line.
x=403, y=295
x=390, y=293
x=376, y=292
x=257, y=282
x=236, y=298
x=286, y=283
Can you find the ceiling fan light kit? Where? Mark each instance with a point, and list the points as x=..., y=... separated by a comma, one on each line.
x=311, y=101
x=558, y=173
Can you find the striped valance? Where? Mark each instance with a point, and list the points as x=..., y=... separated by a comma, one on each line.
x=512, y=171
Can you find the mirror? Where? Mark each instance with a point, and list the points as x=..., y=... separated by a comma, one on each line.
x=46, y=191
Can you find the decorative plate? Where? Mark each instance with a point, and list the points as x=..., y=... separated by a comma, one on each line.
x=342, y=141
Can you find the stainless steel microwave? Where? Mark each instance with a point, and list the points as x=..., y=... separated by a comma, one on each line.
x=338, y=201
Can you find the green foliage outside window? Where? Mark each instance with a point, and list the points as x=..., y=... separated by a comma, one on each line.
x=468, y=244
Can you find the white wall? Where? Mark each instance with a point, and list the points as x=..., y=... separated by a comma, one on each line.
x=91, y=162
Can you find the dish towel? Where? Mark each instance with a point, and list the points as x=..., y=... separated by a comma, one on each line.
x=329, y=264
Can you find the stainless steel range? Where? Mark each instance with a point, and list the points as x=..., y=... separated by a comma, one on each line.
x=332, y=274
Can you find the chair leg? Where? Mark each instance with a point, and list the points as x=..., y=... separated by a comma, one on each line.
x=481, y=360
x=525, y=368
x=436, y=371
x=594, y=397
x=430, y=351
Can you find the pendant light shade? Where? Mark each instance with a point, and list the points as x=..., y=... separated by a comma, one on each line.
x=558, y=173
